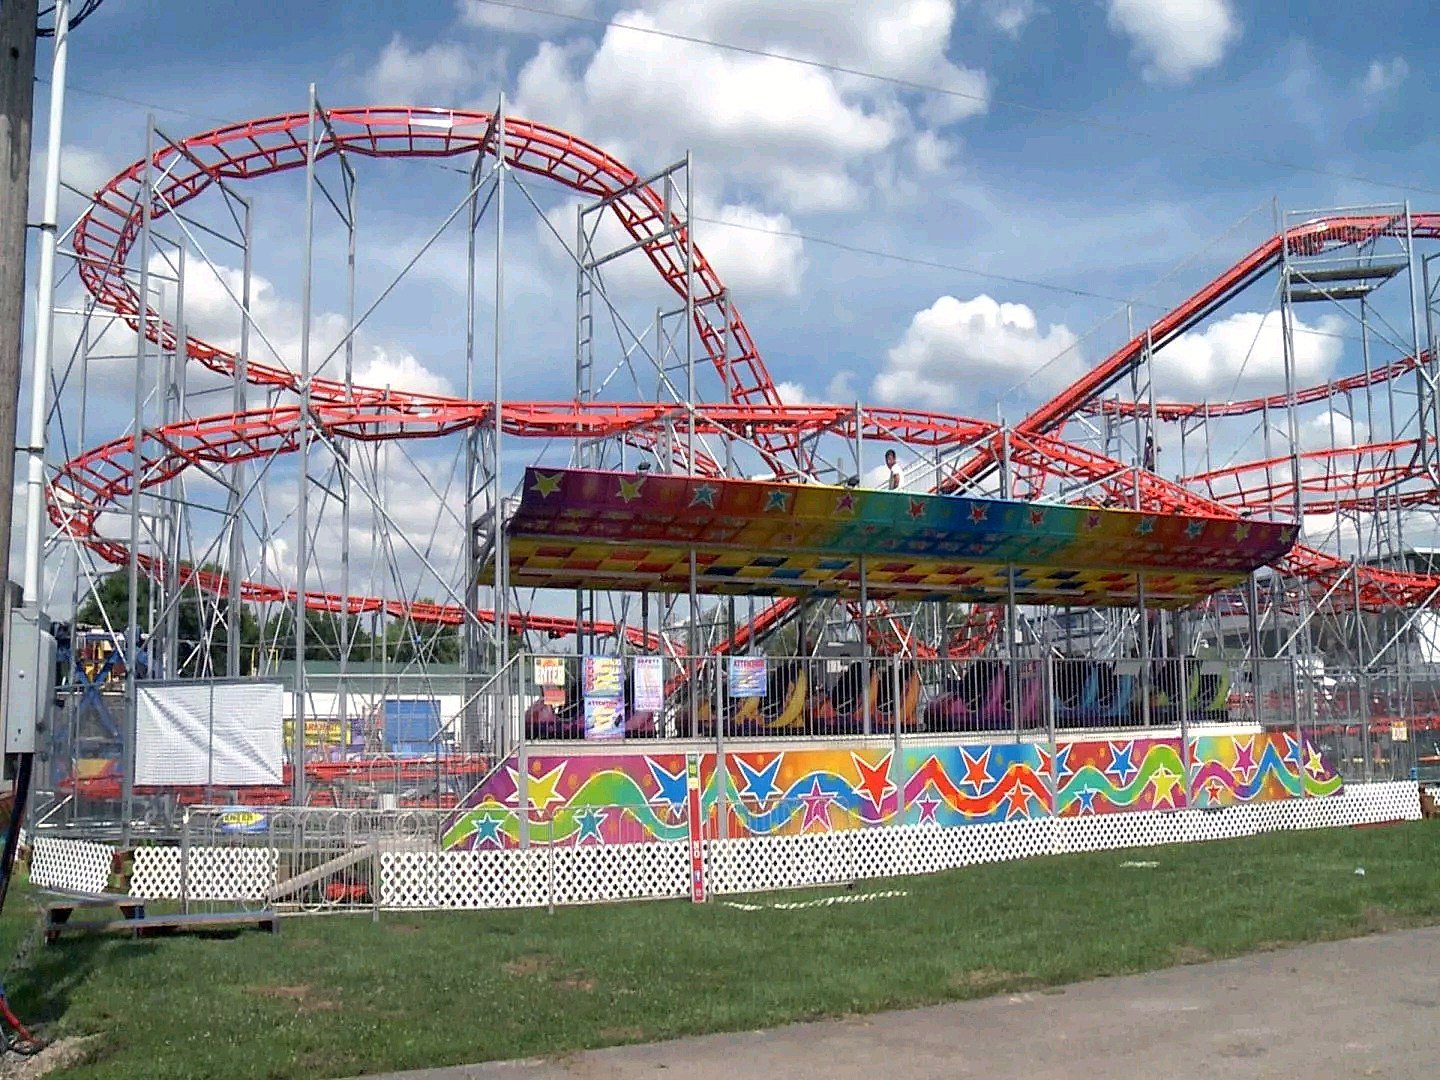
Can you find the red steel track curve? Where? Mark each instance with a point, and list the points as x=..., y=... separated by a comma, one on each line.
x=97, y=479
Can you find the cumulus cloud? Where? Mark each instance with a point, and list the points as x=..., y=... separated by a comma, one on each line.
x=1384, y=76
x=80, y=168
x=445, y=73
x=803, y=133
x=1010, y=17
x=483, y=16
x=1175, y=39
x=1243, y=355
x=961, y=353
x=754, y=253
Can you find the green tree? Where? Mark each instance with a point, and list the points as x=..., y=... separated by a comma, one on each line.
x=109, y=605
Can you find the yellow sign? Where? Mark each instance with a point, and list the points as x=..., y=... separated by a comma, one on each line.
x=1399, y=732
x=318, y=732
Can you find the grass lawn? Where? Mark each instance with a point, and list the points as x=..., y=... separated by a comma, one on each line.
x=340, y=995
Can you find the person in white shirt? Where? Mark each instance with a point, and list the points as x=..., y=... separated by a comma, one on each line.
x=893, y=469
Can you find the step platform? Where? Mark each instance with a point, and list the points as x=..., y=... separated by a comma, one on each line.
x=58, y=908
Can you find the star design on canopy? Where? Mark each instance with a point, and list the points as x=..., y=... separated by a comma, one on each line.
x=760, y=783
x=917, y=508
x=546, y=484
x=1194, y=529
x=704, y=495
x=1121, y=765
x=672, y=786
x=978, y=513
x=874, y=779
x=590, y=819
x=1242, y=531
x=845, y=503
x=817, y=806
x=777, y=501
x=977, y=770
x=1244, y=766
x=630, y=488
x=1037, y=518
x=1146, y=526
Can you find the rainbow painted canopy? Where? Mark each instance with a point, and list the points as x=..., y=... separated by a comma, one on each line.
x=589, y=529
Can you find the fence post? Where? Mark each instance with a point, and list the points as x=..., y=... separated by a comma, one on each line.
x=1362, y=688
x=1048, y=690
x=185, y=861
x=375, y=881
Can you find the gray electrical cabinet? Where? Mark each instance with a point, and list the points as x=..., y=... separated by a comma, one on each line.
x=30, y=679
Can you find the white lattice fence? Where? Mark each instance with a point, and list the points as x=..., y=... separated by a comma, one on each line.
x=561, y=874
x=76, y=865
x=762, y=864
x=535, y=877
x=210, y=873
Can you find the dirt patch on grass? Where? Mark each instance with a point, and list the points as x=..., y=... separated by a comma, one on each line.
x=624, y=1034
x=306, y=998
x=528, y=965
x=980, y=981
x=1377, y=920
x=576, y=982
x=1191, y=954
x=61, y=1054
x=403, y=928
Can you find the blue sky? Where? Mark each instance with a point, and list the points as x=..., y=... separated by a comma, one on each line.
x=1118, y=149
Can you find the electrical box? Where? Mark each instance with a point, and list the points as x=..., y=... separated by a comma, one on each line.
x=31, y=679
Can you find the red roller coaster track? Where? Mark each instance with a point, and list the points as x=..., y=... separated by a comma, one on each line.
x=97, y=479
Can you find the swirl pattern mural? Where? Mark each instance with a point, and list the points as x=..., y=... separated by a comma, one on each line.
x=640, y=797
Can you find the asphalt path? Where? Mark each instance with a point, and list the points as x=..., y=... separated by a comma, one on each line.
x=1364, y=1007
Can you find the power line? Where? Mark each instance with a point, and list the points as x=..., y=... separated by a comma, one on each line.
x=1109, y=126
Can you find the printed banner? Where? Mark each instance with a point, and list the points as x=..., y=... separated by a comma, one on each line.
x=549, y=671
x=604, y=718
x=697, y=844
x=649, y=683
x=747, y=677
x=602, y=677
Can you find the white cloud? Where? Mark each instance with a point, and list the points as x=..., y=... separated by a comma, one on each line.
x=80, y=168
x=792, y=393
x=804, y=134
x=482, y=16
x=442, y=74
x=961, y=353
x=1243, y=355
x=1175, y=39
x=1010, y=17
x=754, y=253
x=1384, y=76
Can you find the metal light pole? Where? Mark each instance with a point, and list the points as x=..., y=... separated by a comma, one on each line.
x=44, y=312
x=17, y=100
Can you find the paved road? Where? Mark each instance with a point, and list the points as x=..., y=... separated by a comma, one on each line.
x=1367, y=1007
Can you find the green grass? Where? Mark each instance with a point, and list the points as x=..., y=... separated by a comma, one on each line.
x=340, y=995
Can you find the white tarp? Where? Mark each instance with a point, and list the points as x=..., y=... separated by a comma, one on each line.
x=209, y=733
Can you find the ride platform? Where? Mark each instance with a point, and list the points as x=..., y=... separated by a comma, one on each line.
x=592, y=529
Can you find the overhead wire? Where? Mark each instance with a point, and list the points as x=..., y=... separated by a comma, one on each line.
x=985, y=99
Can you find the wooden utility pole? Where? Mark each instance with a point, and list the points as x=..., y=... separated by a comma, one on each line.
x=17, y=98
